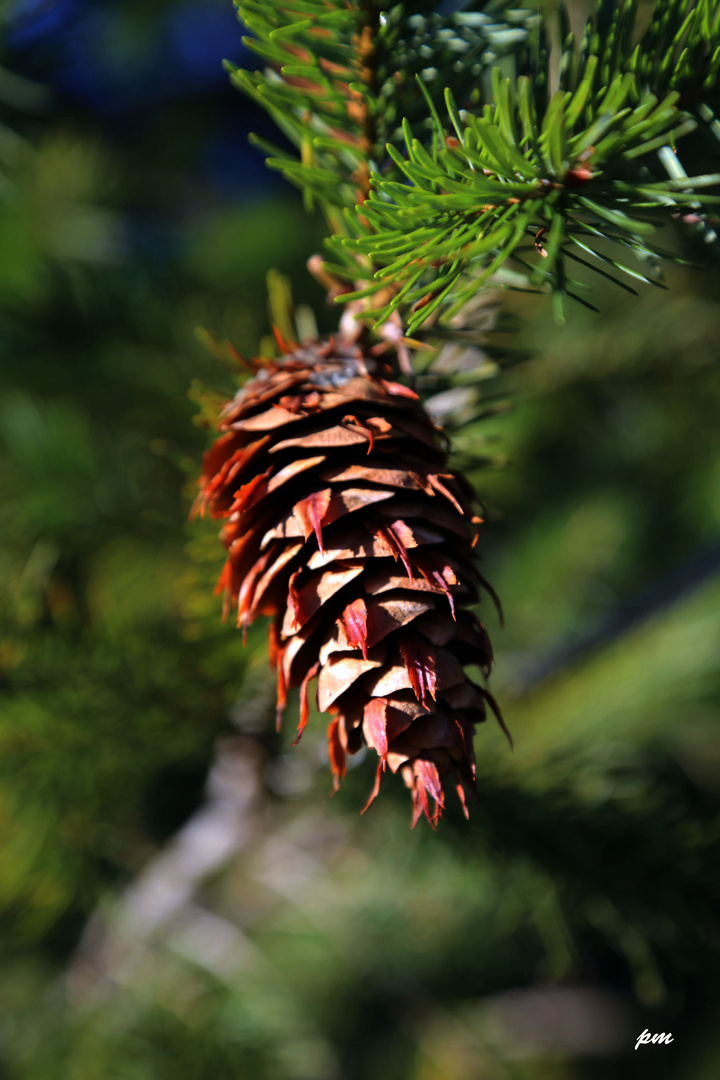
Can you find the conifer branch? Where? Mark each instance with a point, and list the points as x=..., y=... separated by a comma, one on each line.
x=366, y=61
x=340, y=80
x=539, y=178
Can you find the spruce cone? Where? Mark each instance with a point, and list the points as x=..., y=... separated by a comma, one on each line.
x=343, y=524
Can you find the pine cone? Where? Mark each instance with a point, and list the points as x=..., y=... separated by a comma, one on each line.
x=344, y=525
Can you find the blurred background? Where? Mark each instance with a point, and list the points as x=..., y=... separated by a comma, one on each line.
x=179, y=898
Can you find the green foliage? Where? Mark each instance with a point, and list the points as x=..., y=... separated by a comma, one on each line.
x=543, y=178
x=510, y=178
x=579, y=178
x=341, y=79
x=679, y=50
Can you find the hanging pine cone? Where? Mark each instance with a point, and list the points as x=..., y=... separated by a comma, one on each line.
x=344, y=525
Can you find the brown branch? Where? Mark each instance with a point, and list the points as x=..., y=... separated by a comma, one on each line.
x=364, y=43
